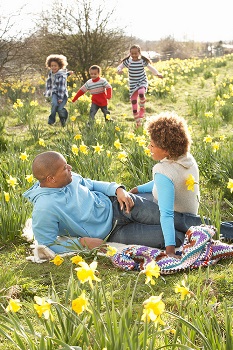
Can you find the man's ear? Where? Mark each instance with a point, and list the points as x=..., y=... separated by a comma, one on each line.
x=50, y=178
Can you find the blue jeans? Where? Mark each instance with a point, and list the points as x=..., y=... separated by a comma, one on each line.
x=142, y=225
x=94, y=109
x=58, y=108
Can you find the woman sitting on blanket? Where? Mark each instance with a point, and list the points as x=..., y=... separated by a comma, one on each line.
x=175, y=184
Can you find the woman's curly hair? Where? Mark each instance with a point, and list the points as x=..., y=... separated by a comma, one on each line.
x=60, y=59
x=169, y=132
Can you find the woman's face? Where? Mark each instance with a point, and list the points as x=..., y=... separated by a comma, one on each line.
x=156, y=152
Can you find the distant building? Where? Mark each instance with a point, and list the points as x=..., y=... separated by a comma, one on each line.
x=152, y=55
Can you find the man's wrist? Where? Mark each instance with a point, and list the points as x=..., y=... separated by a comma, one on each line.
x=123, y=187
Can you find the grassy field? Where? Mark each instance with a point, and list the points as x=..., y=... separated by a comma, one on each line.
x=199, y=90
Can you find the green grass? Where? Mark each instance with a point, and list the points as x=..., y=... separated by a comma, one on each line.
x=22, y=279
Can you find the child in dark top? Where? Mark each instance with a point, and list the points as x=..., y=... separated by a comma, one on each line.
x=138, y=83
x=56, y=87
x=100, y=90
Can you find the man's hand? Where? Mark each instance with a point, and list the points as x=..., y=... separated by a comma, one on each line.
x=124, y=199
x=134, y=190
x=91, y=243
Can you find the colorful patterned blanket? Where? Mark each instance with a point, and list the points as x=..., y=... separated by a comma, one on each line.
x=198, y=249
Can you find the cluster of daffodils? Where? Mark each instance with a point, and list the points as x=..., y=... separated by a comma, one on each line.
x=153, y=307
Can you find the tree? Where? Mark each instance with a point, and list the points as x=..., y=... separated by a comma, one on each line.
x=12, y=45
x=84, y=35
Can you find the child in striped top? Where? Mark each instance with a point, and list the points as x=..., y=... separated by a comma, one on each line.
x=100, y=90
x=138, y=83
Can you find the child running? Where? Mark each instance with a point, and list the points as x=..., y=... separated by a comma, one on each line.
x=56, y=87
x=138, y=84
x=100, y=90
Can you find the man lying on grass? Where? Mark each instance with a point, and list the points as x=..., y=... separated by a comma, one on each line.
x=89, y=211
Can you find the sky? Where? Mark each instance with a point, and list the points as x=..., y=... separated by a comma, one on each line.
x=184, y=20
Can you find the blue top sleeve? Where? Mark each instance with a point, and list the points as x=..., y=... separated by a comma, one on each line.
x=147, y=187
x=166, y=197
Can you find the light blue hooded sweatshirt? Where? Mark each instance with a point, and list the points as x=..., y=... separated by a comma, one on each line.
x=80, y=209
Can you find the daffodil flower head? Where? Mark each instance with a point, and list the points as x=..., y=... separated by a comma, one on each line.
x=153, y=309
x=86, y=273
x=43, y=307
x=12, y=182
x=14, y=305
x=58, y=260
x=230, y=185
x=76, y=259
x=111, y=251
x=151, y=270
x=80, y=304
x=190, y=182
x=183, y=290
x=23, y=156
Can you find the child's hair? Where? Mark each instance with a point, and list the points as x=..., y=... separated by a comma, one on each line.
x=95, y=67
x=139, y=50
x=60, y=59
x=169, y=132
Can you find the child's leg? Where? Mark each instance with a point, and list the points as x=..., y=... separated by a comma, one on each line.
x=134, y=102
x=52, y=117
x=142, y=98
x=106, y=112
x=94, y=109
x=62, y=112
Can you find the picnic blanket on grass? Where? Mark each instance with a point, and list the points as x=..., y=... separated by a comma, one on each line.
x=198, y=249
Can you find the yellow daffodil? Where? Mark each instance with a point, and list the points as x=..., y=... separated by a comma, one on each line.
x=130, y=135
x=14, y=305
x=230, y=185
x=153, y=309
x=23, y=156
x=58, y=260
x=107, y=117
x=215, y=146
x=86, y=273
x=151, y=270
x=190, y=182
x=73, y=118
x=43, y=307
x=29, y=178
x=222, y=137
x=209, y=115
x=108, y=153
x=117, y=128
x=122, y=156
x=78, y=137
x=33, y=103
x=183, y=290
x=41, y=142
x=208, y=139
x=147, y=151
x=76, y=259
x=111, y=251
x=74, y=149
x=117, y=144
x=12, y=182
x=80, y=304
x=6, y=196
x=83, y=148
x=98, y=148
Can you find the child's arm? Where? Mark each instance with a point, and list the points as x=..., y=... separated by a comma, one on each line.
x=154, y=71
x=79, y=93
x=109, y=93
x=120, y=68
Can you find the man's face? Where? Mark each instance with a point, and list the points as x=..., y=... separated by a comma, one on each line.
x=62, y=176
